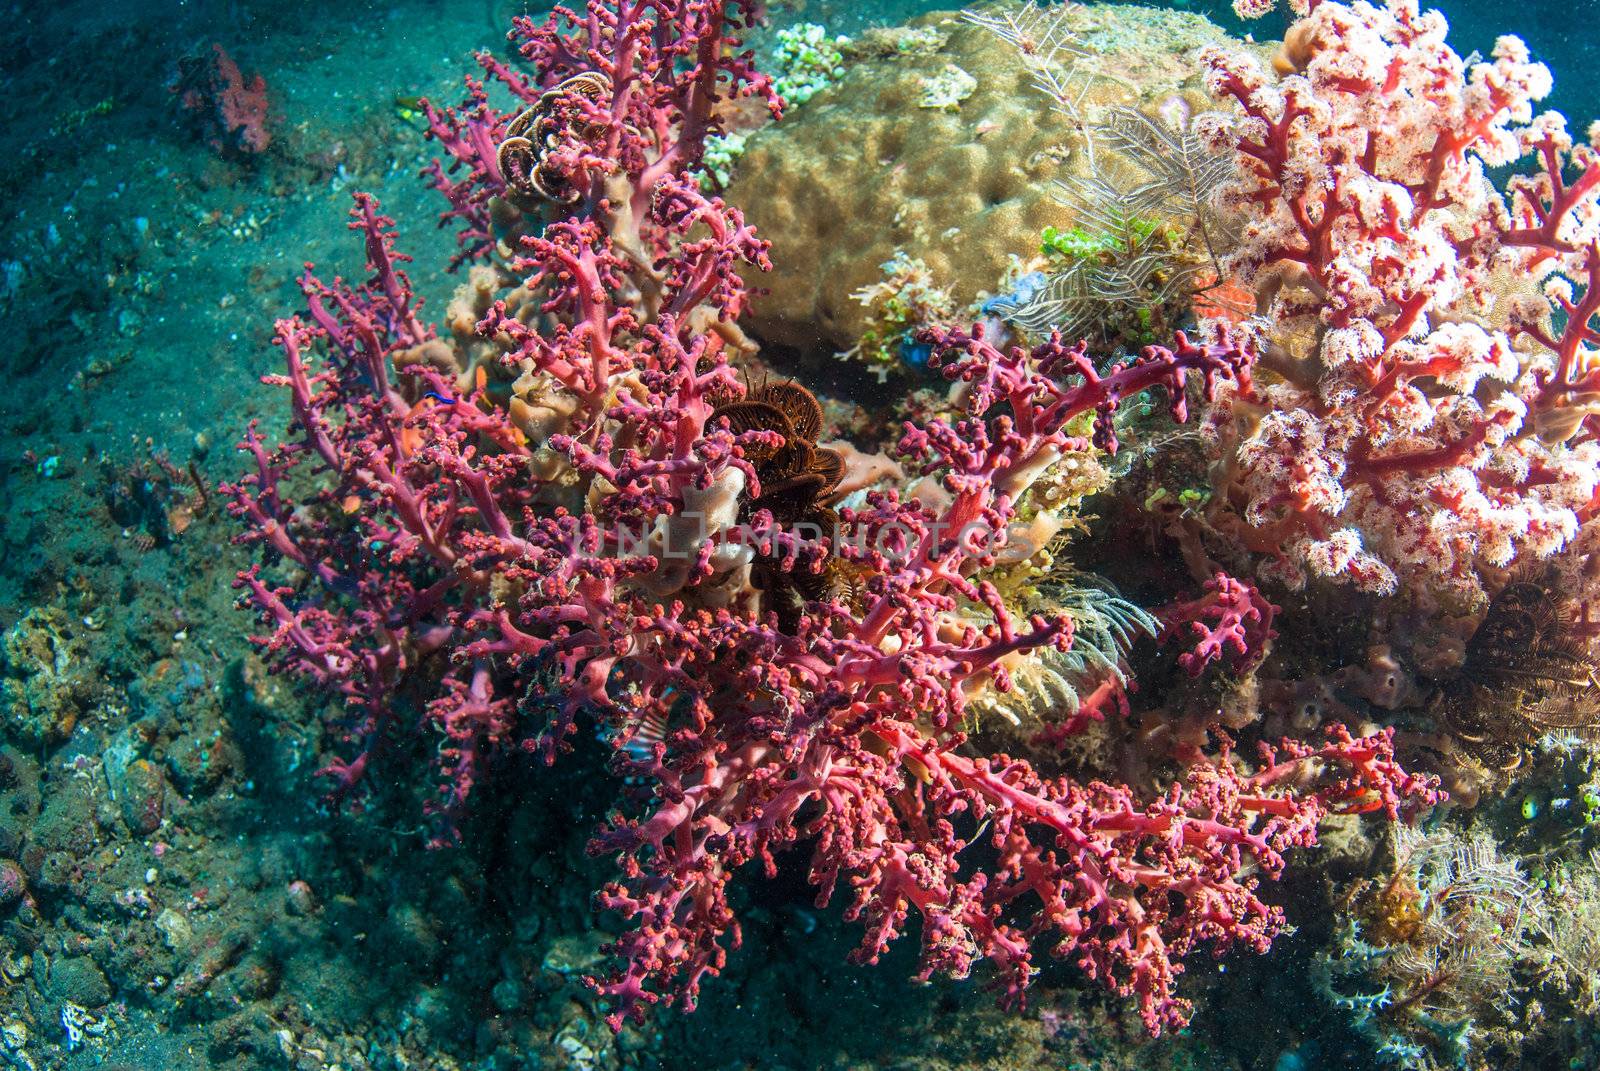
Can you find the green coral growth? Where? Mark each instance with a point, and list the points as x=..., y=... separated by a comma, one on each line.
x=722, y=151
x=1078, y=243
x=809, y=61
x=1075, y=244
x=1117, y=278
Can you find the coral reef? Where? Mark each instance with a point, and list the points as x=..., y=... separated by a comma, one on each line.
x=1463, y=954
x=1064, y=689
x=611, y=528
x=1233, y=623
x=1429, y=335
x=591, y=577
x=1527, y=673
x=220, y=105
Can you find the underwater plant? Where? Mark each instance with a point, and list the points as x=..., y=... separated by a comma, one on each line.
x=1124, y=271
x=1182, y=171
x=1116, y=277
x=1049, y=687
x=575, y=511
x=1569, y=956
x=1060, y=64
x=1529, y=671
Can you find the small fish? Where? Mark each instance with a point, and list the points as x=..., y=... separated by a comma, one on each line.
x=441, y=399
x=915, y=353
x=1024, y=290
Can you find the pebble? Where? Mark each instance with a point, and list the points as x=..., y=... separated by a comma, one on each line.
x=142, y=792
x=299, y=899
x=507, y=995
x=176, y=933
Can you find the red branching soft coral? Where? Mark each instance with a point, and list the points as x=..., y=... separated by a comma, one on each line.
x=1231, y=623
x=663, y=67
x=601, y=548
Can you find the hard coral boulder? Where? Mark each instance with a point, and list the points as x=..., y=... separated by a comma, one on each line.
x=865, y=170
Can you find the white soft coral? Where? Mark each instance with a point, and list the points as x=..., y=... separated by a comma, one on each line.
x=1397, y=444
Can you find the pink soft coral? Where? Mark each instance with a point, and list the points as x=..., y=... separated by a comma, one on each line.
x=1408, y=429
x=590, y=549
x=666, y=67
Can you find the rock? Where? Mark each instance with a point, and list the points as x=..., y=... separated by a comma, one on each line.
x=45, y=679
x=299, y=899
x=141, y=792
x=138, y=785
x=175, y=930
x=410, y=929
x=77, y=979
x=197, y=763
x=575, y=954
x=507, y=995
x=217, y=955
x=56, y=872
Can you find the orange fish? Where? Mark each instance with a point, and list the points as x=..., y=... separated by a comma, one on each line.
x=410, y=433
x=1223, y=300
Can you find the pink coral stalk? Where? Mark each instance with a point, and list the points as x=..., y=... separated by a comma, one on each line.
x=1232, y=623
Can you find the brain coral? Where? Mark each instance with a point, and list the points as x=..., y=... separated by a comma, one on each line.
x=864, y=169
